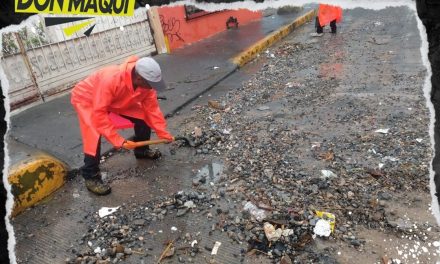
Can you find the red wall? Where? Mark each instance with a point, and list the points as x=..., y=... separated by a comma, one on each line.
x=181, y=32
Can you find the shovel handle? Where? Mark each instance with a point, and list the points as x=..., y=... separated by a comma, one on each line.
x=151, y=142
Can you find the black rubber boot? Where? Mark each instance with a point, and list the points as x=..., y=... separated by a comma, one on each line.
x=333, y=26
x=319, y=29
x=147, y=153
x=97, y=186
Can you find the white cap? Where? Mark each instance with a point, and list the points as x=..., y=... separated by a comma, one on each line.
x=149, y=69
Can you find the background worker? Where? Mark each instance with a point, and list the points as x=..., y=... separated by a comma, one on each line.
x=328, y=14
x=128, y=90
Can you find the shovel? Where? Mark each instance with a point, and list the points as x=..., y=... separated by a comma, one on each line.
x=161, y=141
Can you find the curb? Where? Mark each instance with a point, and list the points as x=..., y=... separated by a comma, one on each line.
x=252, y=51
x=34, y=177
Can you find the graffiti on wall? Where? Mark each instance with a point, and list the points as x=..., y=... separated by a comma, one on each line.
x=171, y=28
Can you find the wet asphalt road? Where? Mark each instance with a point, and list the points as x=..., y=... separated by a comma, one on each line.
x=358, y=64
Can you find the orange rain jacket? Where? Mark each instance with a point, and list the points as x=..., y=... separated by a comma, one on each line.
x=111, y=90
x=328, y=13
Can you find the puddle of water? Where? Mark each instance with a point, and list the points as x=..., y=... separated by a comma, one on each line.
x=210, y=172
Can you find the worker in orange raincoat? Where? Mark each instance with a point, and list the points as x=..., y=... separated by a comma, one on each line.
x=328, y=14
x=128, y=90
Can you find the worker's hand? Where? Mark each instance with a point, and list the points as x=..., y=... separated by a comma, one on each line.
x=170, y=139
x=129, y=144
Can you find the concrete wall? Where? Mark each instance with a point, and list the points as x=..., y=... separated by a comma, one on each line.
x=181, y=31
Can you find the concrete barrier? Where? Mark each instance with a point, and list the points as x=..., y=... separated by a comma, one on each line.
x=33, y=175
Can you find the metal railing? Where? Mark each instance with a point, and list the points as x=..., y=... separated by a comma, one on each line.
x=40, y=63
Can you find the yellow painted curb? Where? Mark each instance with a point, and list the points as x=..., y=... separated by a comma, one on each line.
x=34, y=178
x=250, y=53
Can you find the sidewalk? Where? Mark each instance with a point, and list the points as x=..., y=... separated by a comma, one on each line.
x=190, y=71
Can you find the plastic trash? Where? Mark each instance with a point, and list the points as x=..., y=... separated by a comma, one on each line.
x=271, y=233
x=322, y=228
x=328, y=174
x=383, y=130
x=256, y=212
x=389, y=158
x=104, y=211
x=226, y=131
x=215, y=248
x=216, y=105
x=329, y=217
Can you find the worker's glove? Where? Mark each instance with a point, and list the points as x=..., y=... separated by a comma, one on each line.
x=129, y=144
x=170, y=139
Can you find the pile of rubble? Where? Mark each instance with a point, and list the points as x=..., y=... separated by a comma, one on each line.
x=293, y=147
x=117, y=233
x=301, y=162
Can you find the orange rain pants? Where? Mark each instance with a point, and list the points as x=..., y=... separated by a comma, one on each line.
x=328, y=13
x=111, y=90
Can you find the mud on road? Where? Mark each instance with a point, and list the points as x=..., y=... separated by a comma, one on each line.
x=337, y=124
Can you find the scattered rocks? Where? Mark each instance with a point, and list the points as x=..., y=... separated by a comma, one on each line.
x=296, y=138
x=330, y=158
x=384, y=196
x=285, y=260
x=355, y=243
x=189, y=204
x=139, y=222
x=114, y=237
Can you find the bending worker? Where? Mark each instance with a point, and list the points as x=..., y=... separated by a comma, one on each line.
x=328, y=14
x=128, y=90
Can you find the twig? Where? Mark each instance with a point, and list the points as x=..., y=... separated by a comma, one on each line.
x=261, y=251
x=138, y=252
x=165, y=251
x=385, y=260
x=183, y=248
